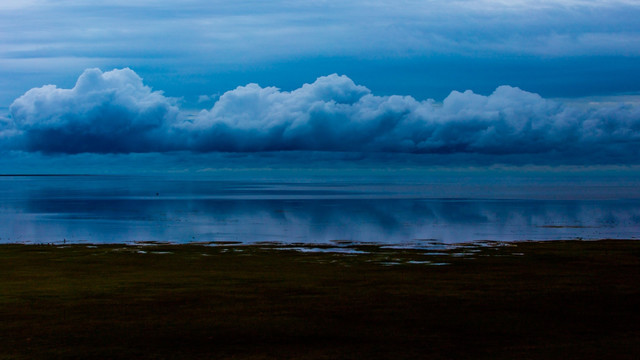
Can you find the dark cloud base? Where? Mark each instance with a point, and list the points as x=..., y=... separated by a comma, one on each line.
x=114, y=112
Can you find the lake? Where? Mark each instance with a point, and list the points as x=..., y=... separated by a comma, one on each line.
x=413, y=212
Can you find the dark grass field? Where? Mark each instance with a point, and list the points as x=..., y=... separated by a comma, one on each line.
x=528, y=300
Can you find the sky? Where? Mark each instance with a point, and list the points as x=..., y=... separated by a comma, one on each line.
x=417, y=83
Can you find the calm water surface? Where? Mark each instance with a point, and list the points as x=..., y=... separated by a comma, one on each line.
x=104, y=209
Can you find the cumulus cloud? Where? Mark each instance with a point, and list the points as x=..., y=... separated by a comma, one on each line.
x=114, y=112
x=335, y=114
x=104, y=112
x=8, y=133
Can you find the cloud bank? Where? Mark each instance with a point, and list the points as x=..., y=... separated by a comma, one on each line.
x=114, y=112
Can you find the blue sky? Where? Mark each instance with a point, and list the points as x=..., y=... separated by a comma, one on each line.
x=551, y=82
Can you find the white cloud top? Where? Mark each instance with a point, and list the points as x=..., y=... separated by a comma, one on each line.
x=181, y=45
x=104, y=112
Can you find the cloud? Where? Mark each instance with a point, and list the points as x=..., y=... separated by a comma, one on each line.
x=230, y=32
x=104, y=112
x=114, y=112
x=8, y=133
x=529, y=43
x=334, y=114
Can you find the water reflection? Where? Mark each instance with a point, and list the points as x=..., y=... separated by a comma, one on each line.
x=113, y=209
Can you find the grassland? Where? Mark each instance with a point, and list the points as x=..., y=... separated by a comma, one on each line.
x=528, y=300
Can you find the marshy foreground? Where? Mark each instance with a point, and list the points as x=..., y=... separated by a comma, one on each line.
x=525, y=300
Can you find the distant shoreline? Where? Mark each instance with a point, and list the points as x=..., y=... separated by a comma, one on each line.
x=322, y=246
x=24, y=175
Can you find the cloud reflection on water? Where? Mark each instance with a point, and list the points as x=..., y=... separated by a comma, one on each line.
x=111, y=209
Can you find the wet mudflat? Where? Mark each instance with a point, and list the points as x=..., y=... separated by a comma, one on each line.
x=527, y=300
